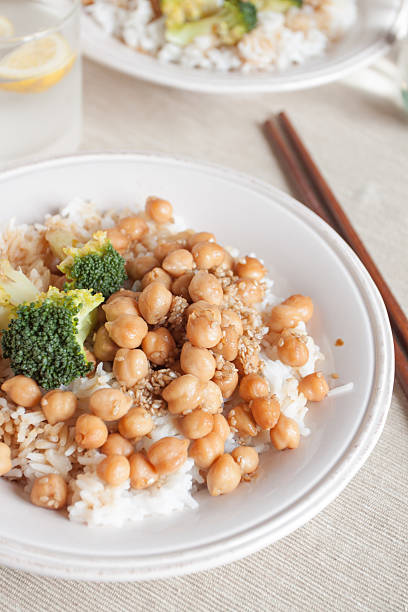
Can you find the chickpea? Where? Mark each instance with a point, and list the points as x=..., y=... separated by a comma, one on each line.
x=211, y=398
x=101, y=317
x=183, y=394
x=249, y=291
x=58, y=280
x=49, y=492
x=130, y=366
x=197, y=424
x=285, y=434
x=202, y=307
x=117, y=445
x=227, y=380
x=157, y=275
x=159, y=346
x=165, y=248
x=314, y=387
x=247, y=364
x=251, y=268
x=303, y=304
x=159, y=210
x=104, y=347
x=136, y=423
x=114, y=470
x=5, y=459
x=203, y=330
x=221, y=427
x=181, y=284
x=22, y=390
x=292, y=351
x=91, y=359
x=229, y=261
x=228, y=347
x=58, y=406
x=134, y=227
x=109, y=404
x=197, y=361
x=240, y=419
x=223, y=476
x=205, y=286
x=230, y=318
x=167, y=455
x=90, y=431
x=120, y=306
x=119, y=239
x=127, y=331
x=178, y=262
x=247, y=458
x=206, y=450
x=283, y=317
x=207, y=255
x=138, y=267
x=123, y=293
x=142, y=473
x=154, y=302
x=200, y=237
x=252, y=386
x=266, y=411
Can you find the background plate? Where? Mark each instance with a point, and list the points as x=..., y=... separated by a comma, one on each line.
x=366, y=41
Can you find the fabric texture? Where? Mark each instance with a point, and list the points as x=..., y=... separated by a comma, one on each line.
x=354, y=554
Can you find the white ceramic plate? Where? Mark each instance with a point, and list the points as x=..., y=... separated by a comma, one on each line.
x=367, y=40
x=304, y=255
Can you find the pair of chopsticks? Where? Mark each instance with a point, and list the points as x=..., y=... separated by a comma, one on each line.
x=312, y=189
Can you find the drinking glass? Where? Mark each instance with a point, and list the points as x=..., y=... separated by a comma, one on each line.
x=40, y=78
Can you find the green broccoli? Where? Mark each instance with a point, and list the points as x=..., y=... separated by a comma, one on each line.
x=229, y=23
x=96, y=266
x=178, y=12
x=15, y=288
x=279, y=6
x=45, y=335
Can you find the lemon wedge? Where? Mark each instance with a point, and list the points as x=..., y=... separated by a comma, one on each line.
x=6, y=27
x=36, y=65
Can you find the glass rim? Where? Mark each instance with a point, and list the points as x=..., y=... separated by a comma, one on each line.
x=13, y=40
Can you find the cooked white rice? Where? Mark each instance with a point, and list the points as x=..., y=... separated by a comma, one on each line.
x=277, y=42
x=39, y=448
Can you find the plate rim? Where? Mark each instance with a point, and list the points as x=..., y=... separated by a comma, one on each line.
x=224, y=550
x=214, y=82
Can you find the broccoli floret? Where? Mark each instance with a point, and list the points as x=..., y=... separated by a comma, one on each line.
x=230, y=23
x=178, y=12
x=96, y=266
x=45, y=337
x=15, y=288
x=279, y=6
x=60, y=239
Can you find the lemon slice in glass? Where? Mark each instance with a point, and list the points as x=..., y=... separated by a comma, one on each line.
x=6, y=27
x=36, y=65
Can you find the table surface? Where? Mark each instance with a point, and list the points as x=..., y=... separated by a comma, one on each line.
x=353, y=555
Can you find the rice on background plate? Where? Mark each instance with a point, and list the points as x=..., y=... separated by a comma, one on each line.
x=39, y=448
x=278, y=41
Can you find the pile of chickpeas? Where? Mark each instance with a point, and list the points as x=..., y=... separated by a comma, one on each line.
x=133, y=336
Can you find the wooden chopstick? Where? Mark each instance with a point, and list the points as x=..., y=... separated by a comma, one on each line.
x=397, y=317
x=299, y=181
x=401, y=366
x=312, y=189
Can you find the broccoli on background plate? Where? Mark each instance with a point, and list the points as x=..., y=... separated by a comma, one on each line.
x=229, y=23
x=44, y=333
x=279, y=6
x=96, y=266
x=178, y=12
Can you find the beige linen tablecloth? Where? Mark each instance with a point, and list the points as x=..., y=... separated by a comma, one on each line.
x=353, y=555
